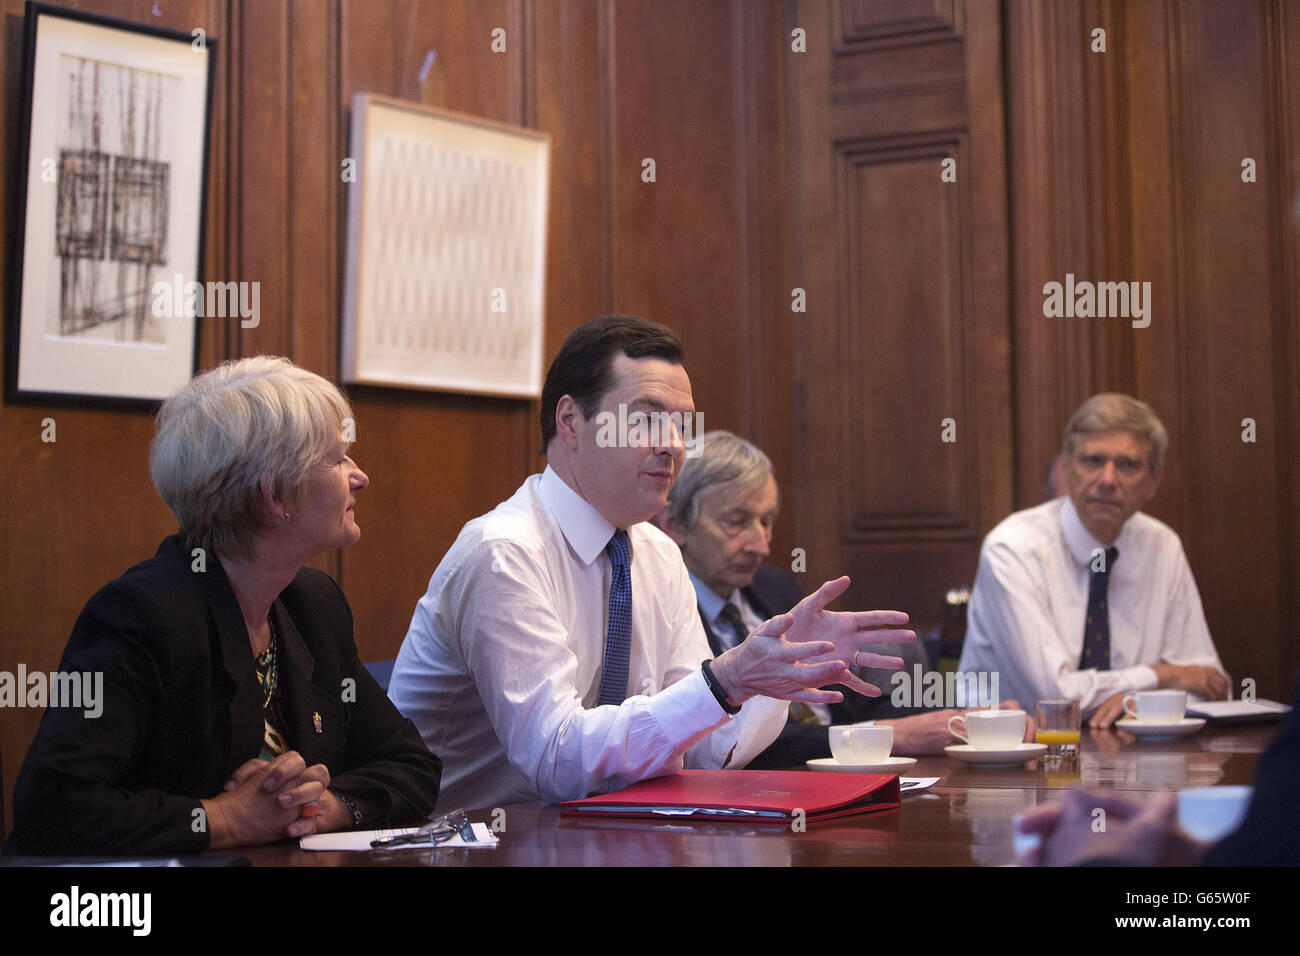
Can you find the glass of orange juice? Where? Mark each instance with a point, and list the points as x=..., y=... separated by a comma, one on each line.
x=1056, y=724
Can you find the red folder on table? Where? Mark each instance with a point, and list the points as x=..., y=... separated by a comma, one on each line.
x=751, y=796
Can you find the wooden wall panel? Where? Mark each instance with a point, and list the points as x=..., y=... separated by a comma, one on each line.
x=315, y=198
x=776, y=334
x=907, y=320
x=900, y=229
x=1126, y=166
x=674, y=240
x=1221, y=296
x=263, y=171
x=434, y=460
x=1284, y=27
x=572, y=100
x=1057, y=194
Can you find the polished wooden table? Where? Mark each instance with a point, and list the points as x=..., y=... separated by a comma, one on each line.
x=965, y=819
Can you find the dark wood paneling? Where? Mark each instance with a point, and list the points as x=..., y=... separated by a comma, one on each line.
x=571, y=97
x=1056, y=195
x=1221, y=297
x=434, y=460
x=861, y=25
x=316, y=146
x=1284, y=24
x=776, y=331
x=263, y=172
x=674, y=240
x=900, y=243
x=1126, y=166
x=907, y=320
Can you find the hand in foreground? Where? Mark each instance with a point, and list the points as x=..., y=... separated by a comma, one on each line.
x=1196, y=679
x=263, y=802
x=849, y=631
x=1073, y=832
x=928, y=733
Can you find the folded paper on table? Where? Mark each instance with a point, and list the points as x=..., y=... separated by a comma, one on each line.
x=750, y=796
x=360, y=840
x=1227, y=712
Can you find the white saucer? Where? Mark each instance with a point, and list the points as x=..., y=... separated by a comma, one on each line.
x=891, y=765
x=1188, y=725
x=995, y=758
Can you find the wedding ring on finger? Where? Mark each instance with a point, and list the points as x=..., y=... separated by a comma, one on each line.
x=855, y=656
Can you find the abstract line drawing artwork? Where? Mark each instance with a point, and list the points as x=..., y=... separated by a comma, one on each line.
x=109, y=207
x=113, y=199
x=445, y=277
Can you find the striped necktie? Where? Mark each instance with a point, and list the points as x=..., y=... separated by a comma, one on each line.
x=1096, y=630
x=618, y=632
x=731, y=614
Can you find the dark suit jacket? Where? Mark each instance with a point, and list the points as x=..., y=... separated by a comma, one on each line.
x=1270, y=834
x=182, y=710
x=775, y=591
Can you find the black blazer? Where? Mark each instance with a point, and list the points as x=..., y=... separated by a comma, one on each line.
x=181, y=711
x=775, y=591
x=1270, y=833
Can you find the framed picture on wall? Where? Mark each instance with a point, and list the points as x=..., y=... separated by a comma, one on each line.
x=446, y=252
x=107, y=236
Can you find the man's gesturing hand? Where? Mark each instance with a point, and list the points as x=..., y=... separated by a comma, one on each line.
x=810, y=647
x=849, y=631
x=766, y=664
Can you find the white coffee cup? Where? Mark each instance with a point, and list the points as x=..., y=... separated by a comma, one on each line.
x=1211, y=813
x=860, y=746
x=991, y=729
x=1157, y=706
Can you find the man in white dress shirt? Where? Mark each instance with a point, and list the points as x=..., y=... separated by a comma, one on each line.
x=1086, y=597
x=523, y=666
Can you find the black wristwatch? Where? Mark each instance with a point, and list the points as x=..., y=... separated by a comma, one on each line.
x=718, y=692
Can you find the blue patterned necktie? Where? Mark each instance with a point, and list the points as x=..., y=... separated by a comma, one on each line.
x=618, y=633
x=1096, y=631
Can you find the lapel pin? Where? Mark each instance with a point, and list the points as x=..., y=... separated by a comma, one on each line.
x=315, y=720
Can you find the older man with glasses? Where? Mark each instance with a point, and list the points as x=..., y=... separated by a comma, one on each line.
x=1085, y=597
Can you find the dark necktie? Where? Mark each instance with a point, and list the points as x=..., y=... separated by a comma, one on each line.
x=1096, y=630
x=731, y=614
x=618, y=633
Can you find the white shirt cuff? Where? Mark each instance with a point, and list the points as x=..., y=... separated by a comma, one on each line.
x=1147, y=679
x=687, y=708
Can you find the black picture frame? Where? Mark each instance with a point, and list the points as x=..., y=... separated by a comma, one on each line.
x=114, y=131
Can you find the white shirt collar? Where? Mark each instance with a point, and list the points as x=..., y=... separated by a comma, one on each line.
x=583, y=526
x=708, y=599
x=1079, y=539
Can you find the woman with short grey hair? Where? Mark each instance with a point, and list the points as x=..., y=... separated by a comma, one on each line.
x=234, y=709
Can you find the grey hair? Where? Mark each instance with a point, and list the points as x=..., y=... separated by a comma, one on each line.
x=1113, y=411
x=218, y=436
x=722, y=462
